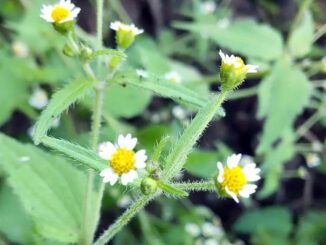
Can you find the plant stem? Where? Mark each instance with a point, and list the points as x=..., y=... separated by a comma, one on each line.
x=90, y=221
x=195, y=186
x=124, y=219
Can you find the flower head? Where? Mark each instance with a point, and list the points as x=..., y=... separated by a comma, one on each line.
x=61, y=12
x=234, y=70
x=173, y=76
x=233, y=179
x=39, y=99
x=123, y=160
x=125, y=34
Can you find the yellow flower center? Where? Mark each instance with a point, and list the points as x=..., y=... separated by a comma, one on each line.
x=59, y=13
x=239, y=62
x=234, y=179
x=122, y=161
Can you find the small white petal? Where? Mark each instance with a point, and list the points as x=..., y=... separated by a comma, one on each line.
x=106, y=150
x=129, y=177
x=252, y=68
x=232, y=194
x=220, y=172
x=222, y=55
x=233, y=160
x=140, y=158
x=109, y=176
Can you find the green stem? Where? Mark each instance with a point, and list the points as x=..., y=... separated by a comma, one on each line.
x=195, y=186
x=176, y=159
x=90, y=220
x=124, y=219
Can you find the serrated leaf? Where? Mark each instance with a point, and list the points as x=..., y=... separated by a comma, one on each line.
x=273, y=219
x=75, y=152
x=165, y=89
x=282, y=96
x=59, y=102
x=50, y=189
x=301, y=40
x=244, y=36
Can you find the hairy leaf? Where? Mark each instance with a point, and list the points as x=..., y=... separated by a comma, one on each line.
x=60, y=101
x=50, y=189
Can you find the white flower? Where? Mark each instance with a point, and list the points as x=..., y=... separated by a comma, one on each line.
x=123, y=161
x=173, y=76
x=192, y=229
x=313, y=160
x=39, y=99
x=179, y=112
x=142, y=73
x=237, y=62
x=124, y=201
x=59, y=13
x=211, y=241
x=20, y=49
x=211, y=230
x=208, y=7
x=119, y=26
x=233, y=178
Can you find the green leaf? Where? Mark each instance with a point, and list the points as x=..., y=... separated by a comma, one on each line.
x=60, y=102
x=282, y=96
x=202, y=163
x=274, y=219
x=15, y=224
x=171, y=190
x=245, y=36
x=76, y=152
x=301, y=40
x=126, y=102
x=164, y=88
x=50, y=189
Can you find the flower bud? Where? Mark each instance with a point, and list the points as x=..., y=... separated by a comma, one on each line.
x=233, y=71
x=148, y=186
x=68, y=51
x=85, y=53
x=114, y=62
x=125, y=34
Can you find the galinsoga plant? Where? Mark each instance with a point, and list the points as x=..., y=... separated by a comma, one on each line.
x=120, y=163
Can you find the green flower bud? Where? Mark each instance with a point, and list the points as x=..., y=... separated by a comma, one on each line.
x=125, y=34
x=114, y=62
x=233, y=71
x=148, y=186
x=85, y=53
x=68, y=51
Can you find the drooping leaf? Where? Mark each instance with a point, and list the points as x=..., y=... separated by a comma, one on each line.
x=50, y=189
x=165, y=89
x=245, y=36
x=60, y=102
x=301, y=40
x=75, y=152
x=282, y=96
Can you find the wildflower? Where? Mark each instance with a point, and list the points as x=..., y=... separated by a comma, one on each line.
x=20, y=49
x=232, y=180
x=125, y=34
x=313, y=160
x=192, y=229
x=61, y=12
x=39, y=99
x=173, y=76
x=123, y=161
x=208, y=7
x=234, y=70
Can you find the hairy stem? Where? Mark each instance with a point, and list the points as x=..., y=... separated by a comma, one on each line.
x=195, y=186
x=90, y=221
